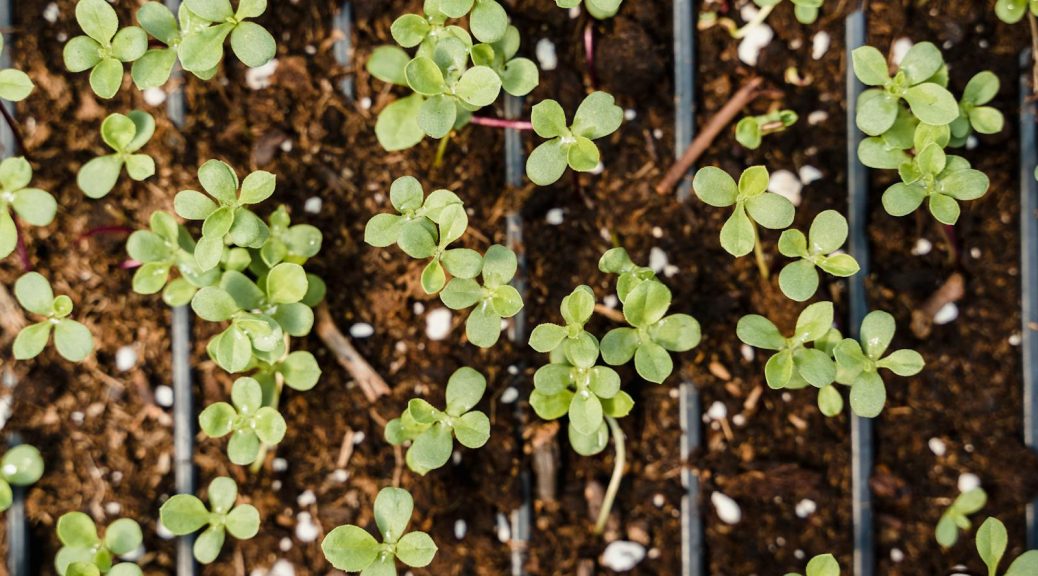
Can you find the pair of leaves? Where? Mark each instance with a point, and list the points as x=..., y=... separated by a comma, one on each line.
x=599, y=9
x=431, y=431
x=992, y=541
x=449, y=92
x=20, y=466
x=352, y=549
x=492, y=301
x=185, y=514
x=487, y=18
x=955, y=518
x=81, y=544
x=35, y=206
x=125, y=134
x=974, y=115
x=250, y=424
x=166, y=244
x=799, y=280
x=629, y=275
x=753, y=204
x=15, y=85
x=1012, y=11
x=72, y=339
x=940, y=179
x=751, y=130
x=794, y=365
x=201, y=49
x=571, y=144
x=104, y=48
x=519, y=76
x=577, y=344
x=823, y=565
x=288, y=243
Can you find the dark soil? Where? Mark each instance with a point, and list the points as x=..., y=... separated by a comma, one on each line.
x=108, y=446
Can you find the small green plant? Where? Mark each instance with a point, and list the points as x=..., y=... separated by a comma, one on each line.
x=794, y=365
x=570, y=144
x=1012, y=11
x=600, y=9
x=974, y=114
x=823, y=565
x=83, y=548
x=20, y=466
x=799, y=280
x=15, y=85
x=165, y=246
x=992, y=541
x=956, y=516
x=248, y=421
x=201, y=51
x=352, y=549
x=228, y=220
x=858, y=363
x=431, y=431
x=126, y=135
x=185, y=514
x=72, y=339
x=940, y=179
x=104, y=48
x=519, y=76
x=491, y=302
x=35, y=206
x=751, y=130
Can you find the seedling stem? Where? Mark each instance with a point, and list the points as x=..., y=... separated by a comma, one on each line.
x=618, y=473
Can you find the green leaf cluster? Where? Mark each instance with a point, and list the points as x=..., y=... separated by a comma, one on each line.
x=353, y=549
x=753, y=205
x=600, y=9
x=15, y=85
x=823, y=565
x=246, y=419
x=795, y=364
x=185, y=514
x=20, y=466
x=83, y=552
x=196, y=37
x=431, y=431
x=72, y=339
x=992, y=541
x=35, y=206
x=818, y=249
x=570, y=144
x=956, y=516
x=751, y=130
x=1013, y=11
x=126, y=135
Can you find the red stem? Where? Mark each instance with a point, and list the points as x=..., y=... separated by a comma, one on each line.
x=130, y=265
x=23, y=254
x=502, y=123
x=101, y=230
x=589, y=51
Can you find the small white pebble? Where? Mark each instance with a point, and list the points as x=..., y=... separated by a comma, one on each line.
x=125, y=358
x=113, y=508
x=504, y=529
x=805, y=508
x=786, y=396
x=786, y=184
x=972, y=142
x=670, y=270
x=511, y=394
x=418, y=308
x=359, y=437
x=817, y=117
x=611, y=301
x=922, y=247
x=739, y=420
x=460, y=529
x=306, y=530
x=756, y=39
x=275, y=485
x=285, y=544
x=287, y=146
x=968, y=481
x=164, y=396
x=975, y=253
x=799, y=554
x=1015, y=339
x=574, y=13
x=896, y=555
x=657, y=133
x=630, y=114
x=657, y=259
x=313, y=205
x=307, y=498
x=809, y=174
x=340, y=475
x=546, y=55
x=717, y=411
x=555, y=216
x=659, y=500
x=51, y=12
x=727, y=509
x=901, y=47
x=513, y=369
x=362, y=330
x=279, y=464
x=282, y=568
x=259, y=78
x=155, y=96
x=948, y=313
x=657, y=232
x=365, y=103
x=622, y=555
x=938, y=447
x=77, y=417
x=747, y=352
x=438, y=323
x=820, y=45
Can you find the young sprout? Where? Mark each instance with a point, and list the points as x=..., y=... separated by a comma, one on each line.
x=799, y=280
x=72, y=339
x=154, y=68
x=600, y=9
x=248, y=421
x=487, y=19
x=570, y=145
x=943, y=180
x=15, y=85
x=973, y=114
x=125, y=134
x=228, y=220
x=992, y=541
x=201, y=50
x=1012, y=11
x=491, y=302
x=753, y=205
x=519, y=76
x=82, y=545
x=652, y=333
x=824, y=565
x=919, y=81
x=751, y=130
x=431, y=431
x=576, y=342
x=794, y=365
x=167, y=245
x=858, y=364
x=955, y=518
x=424, y=228
x=451, y=89
x=288, y=243
x=888, y=151
x=352, y=549
x=104, y=48
x=35, y=206
x=21, y=466
x=185, y=514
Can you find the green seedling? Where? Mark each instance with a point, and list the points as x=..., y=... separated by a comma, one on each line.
x=35, y=206
x=287, y=243
x=629, y=275
x=571, y=145
x=201, y=50
x=431, y=431
x=352, y=549
x=799, y=280
x=487, y=18
x=920, y=81
x=165, y=246
x=824, y=565
x=858, y=364
x=974, y=115
x=20, y=466
x=126, y=135
x=576, y=342
x=72, y=339
x=942, y=180
x=104, y=48
x=992, y=541
x=155, y=67
x=491, y=302
x=751, y=130
x=15, y=85
x=82, y=548
x=794, y=365
x=185, y=514
x=1012, y=11
x=248, y=421
x=424, y=228
x=600, y=9
x=956, y=517
x=228, y=220
x=519, y=76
